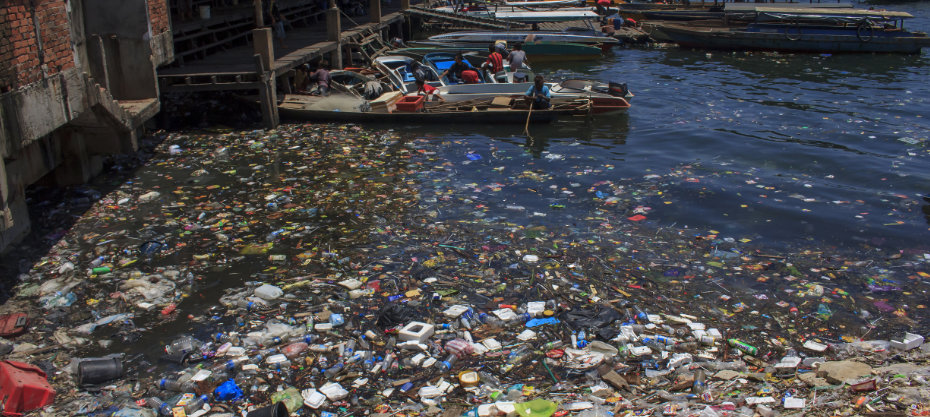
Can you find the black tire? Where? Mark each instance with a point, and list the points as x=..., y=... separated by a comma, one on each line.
x=797, y=25
x=865, y=32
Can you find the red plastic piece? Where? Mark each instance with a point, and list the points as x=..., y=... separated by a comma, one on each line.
x=23, y=387
x=13, y=324
x=410, y=103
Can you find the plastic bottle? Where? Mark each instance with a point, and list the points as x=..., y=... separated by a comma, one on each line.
x=176, y=386
x=446, y=365
x=196, y=404
x=699, y=382
x=231, y=364
x=184, y=348
x=161, y=408
x=743, y=346
x=333, y=371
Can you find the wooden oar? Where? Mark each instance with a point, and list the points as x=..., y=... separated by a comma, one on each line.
x=526, y=129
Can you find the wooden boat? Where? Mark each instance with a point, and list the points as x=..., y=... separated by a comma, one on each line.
x=802, y=30
x=388, y=109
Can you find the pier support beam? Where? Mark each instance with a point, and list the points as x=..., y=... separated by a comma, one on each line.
x=374, y=11
x=404, y=4
x=259, y=14
x=333, y=30
x=264, y=64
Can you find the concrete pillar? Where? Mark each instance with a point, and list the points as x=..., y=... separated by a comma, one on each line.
x=259, y=14
x=333, y=22
x=14, y=214
x=374, y=11
x=333, y=32
x=262, y=45
x=77, y=165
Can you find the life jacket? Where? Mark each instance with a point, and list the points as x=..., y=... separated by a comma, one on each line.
x=497, y=62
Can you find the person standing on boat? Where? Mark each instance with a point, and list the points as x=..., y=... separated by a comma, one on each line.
x=517, y=58
x=539, y=95
x=427, y=90
x=495, y=62
x=455, y=70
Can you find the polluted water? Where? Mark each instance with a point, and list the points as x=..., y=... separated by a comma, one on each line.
x=335, y=270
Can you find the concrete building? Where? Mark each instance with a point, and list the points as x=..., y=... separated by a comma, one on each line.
x=77, y=82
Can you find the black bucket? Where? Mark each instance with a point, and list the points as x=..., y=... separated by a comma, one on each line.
x=96, y=370
x=274, y=410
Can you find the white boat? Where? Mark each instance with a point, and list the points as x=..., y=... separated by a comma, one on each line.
x=522, y=15
x=540, y=3
x=399, y=70
x=565, y=89
x=488, y=37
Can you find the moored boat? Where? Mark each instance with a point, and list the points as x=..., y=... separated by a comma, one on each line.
x=802, y=30
x=396, y=108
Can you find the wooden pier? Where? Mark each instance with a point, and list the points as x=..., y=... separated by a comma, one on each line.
x=224, y=55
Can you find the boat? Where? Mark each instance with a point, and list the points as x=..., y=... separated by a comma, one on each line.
x=396, y=108
x=802, y=30
x=489, y=37
x=524, y=14
x=399, y=70
x=616, y=93
x=538, y=51
x=440, y=61
x=540, y=3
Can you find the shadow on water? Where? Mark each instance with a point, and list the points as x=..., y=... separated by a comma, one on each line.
x=53, y=211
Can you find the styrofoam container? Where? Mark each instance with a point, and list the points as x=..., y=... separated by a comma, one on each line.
x=333, y=391
x=535, y=308
x=527, y=335
x=814, y=346
x=313, y=398
x=492, y=344
x=455, y=311
x=429, y=392
x=416, y=331
x=505, y=314
x=908, y=342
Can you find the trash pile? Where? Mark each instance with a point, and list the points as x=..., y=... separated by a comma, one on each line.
x=331, y=270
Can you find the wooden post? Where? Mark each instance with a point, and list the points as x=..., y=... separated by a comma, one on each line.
x=404, y=4
x=267, y=95
x=333, y=32
x=374, y=11
x=264, y=66
x=259, y=14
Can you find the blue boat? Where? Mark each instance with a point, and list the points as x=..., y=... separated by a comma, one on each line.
x=803, y=30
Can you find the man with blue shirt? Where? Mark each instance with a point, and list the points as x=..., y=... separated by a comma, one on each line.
x=538, y=95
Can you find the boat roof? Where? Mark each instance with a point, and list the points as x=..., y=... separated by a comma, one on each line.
x=885, y=14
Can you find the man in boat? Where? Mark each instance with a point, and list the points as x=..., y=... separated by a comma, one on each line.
x=428, y=90
x=323, y=78
x=455, y=70
x=495, y=62
x=539, y=95
x=516, y=58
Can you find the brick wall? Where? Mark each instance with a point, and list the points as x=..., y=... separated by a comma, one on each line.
x=24, y=50
x=158, y=16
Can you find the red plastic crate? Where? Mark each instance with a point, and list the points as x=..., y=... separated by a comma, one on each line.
x=410, y=103
x=23, y=387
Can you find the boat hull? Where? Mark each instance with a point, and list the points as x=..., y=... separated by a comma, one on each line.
x=788, y=38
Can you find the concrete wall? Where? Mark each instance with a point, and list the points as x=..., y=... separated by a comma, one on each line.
x=65, y=66
x=35, y=41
